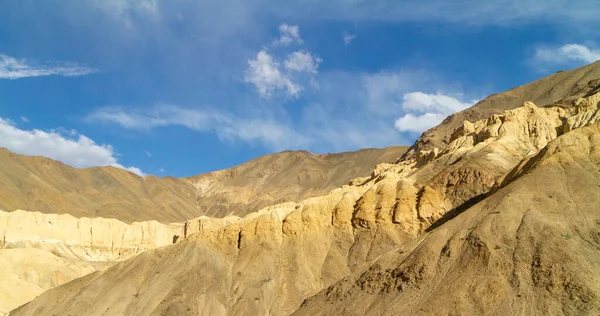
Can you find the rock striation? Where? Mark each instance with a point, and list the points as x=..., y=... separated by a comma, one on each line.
x=86, y=239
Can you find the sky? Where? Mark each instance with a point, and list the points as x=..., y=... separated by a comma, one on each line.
x=183, y=87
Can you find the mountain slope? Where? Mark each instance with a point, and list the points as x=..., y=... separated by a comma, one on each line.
x=289, y=176
x=47, y=186
x=527, y=249
x=563, y=85
x=475, y=225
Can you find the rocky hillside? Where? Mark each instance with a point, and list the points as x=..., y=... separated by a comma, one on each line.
x=47, y=186
x=502, y=218
x=75, y=245
x=563, y=85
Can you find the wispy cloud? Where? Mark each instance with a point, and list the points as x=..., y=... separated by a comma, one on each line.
x=68, y=147
x=302, y=61
x=567, y=53
x=424, y=111
x=349, y=111
x=147, y=153
x=289, y=34
x=13, y=68
x=226, y=126
x=348, y=38
x=25, y=119
x=463, y=11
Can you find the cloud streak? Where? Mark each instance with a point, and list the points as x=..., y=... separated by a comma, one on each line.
x=13, y=68
x=424, y=111
x=567, y=53
x=226, y=126
x=348, y=112
x=68, y=147
x=348, y=38
x=460, y=11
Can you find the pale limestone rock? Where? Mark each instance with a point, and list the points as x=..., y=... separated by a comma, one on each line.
x=88, y=239
x=429, y=205
x=405, y=212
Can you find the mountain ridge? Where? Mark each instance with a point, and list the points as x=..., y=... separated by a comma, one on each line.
x=387, y=243
x=40, y=184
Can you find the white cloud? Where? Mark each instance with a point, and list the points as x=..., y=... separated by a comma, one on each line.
x=288, y=35
x=348, y=38
x=226, y=126
x=418, y=123
x=268, y=76
x=265, y=74
x=384, y=91
x=161, y=170
x=147, y=153
x=438, y=103
x=70, y=148
x=393, y=93
x=25, y=119
x=567, y=53
x=424, y=111
x=13, y=68
x=302, y=61
x=349, y=111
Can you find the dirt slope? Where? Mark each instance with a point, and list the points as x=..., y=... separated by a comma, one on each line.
x=47, y=186
x=502, y=220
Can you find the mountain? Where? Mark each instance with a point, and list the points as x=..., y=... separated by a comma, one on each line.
x=563, y=85
x=91, y=218
x=47, y=186
x=502, y=218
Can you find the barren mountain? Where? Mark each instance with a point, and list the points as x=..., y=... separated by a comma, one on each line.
x=563, y=85
x=502, y=218
x=47, y=186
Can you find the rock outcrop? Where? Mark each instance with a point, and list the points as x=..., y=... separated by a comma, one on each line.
x=86, y=239
x=501, y=220
x=28, y=272
x=559, y=88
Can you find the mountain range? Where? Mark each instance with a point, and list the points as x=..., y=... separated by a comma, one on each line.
x=495, y=211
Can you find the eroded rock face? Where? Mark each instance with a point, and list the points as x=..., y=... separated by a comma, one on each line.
x=40, y=251
x=363, y=246
x=561, y=88
x=28, y=272
x=531, y=247
x=87, y=239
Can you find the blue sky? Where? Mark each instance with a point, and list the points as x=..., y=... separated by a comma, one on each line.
x=182, y=87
